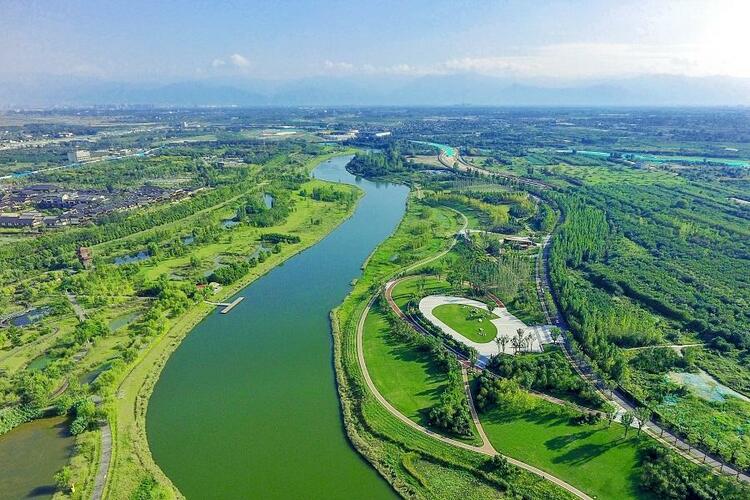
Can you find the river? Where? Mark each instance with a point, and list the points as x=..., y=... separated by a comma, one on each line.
x=247, y=406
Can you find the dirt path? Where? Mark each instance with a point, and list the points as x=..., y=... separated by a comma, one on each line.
x=80, y=312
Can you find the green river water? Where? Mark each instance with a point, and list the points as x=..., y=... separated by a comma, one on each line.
x=247, y=407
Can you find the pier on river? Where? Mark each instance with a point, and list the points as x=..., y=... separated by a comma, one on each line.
x=228, y=306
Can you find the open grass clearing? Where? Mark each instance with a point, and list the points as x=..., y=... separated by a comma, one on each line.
x=471, y=322
x=595, y=458
x=407, y=377
x=449, y=483
x=417, y=287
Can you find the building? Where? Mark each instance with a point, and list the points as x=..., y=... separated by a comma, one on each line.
x=28, y=219
x=78, y=155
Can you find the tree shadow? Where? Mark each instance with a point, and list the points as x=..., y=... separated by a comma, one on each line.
x=42, y=491
x=560, y=442
x=584, y=453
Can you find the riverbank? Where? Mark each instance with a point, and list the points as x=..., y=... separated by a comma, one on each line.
x=409, y=458
x=131, y=456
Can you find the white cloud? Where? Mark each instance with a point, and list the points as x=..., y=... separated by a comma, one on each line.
x=239, y=60
x=218, y=63
x=570, y=61
x=338, y=66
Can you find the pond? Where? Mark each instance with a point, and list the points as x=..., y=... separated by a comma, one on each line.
x=31, y=316
x=247, y=406
x=132, y=259
x=268, y=200
x=39, y=363
x=30, y=455
x=705, y=386
x=122, y=321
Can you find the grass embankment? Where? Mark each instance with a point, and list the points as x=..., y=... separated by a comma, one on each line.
x=594, y=458
x=471, y=322
x=131, y=457
x=385, y=441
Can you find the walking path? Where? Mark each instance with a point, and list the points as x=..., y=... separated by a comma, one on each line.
x=80, y=312
x=486, y=443
x=486, y=448
x=105, y=458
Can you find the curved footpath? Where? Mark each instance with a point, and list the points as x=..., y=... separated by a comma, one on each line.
x=486, y=448
x=105, y=459
x=584, y=370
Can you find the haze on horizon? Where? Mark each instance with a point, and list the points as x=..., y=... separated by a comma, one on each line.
x=144, y=41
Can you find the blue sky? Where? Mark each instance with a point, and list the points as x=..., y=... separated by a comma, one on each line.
x=138, y=40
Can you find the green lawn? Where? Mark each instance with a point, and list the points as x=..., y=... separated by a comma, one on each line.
x=593, y=458
x=471, y=322
x=408, y=378
x=418, y=286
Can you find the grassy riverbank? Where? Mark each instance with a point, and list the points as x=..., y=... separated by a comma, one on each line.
x=414, y=463
x=132, y=463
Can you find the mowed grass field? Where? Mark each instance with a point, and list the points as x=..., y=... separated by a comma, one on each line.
x=407, y=377
x=593, y=458
x=418, y=287
x=471, y=322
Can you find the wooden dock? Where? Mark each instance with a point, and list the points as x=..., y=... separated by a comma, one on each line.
x=228, y=306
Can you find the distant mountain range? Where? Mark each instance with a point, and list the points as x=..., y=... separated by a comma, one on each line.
x=457, y=89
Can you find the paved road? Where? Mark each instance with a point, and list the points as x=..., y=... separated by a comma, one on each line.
x=584, y=369
x=105, y=458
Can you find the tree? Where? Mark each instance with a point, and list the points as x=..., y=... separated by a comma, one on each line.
x=473, y=355
x=491, y=305
x=529, y=341
x=64, y=481
x=626, y=420
x=734, y=445
x=643, y=415
x=501, y=342
x=500, y=464
x=611, y=411
x=555, y=334
x=515, y=343
x=610, y=385
x=14, y=335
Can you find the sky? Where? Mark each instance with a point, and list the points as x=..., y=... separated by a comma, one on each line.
x=166, y=41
